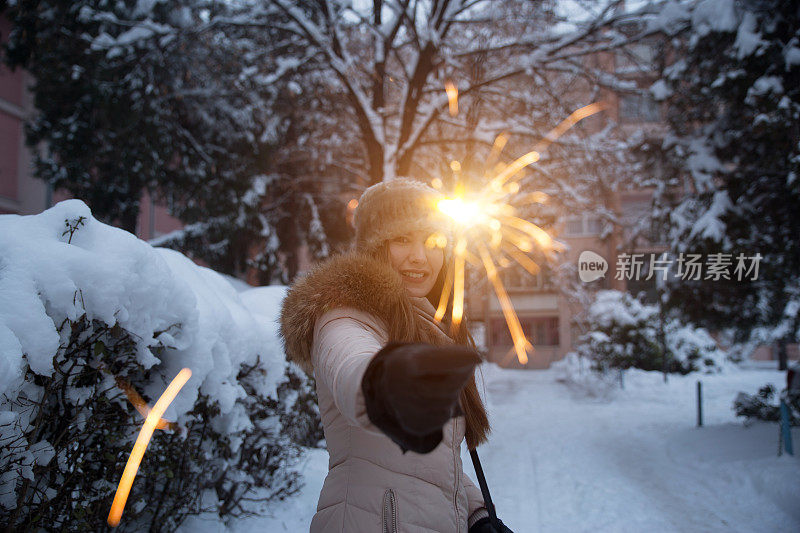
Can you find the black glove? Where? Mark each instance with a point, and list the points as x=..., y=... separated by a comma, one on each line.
x=412, y=390
x=484, y=525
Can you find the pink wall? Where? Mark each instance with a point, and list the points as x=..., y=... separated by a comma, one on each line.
x=154, y=222
x=11, y=91
x=10, y=142
x=11, y=82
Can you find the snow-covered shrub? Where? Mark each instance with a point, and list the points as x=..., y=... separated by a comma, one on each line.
x=88, y=311
x=301, y=419
x=625, y=333
x=580, y=375
x=298, y=394
x=764, y=405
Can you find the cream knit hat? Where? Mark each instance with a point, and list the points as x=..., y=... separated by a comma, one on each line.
x=393, y=207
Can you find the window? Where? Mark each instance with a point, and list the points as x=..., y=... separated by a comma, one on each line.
x=593, y=226
x=575, y=226
x=540, y=331
x=638, y=108
x=511, y=278
x=634, y=210
x=516, y=277
x=636, y=56
x=583, y=226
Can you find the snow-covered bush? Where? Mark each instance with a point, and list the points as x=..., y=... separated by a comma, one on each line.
x=88, y=312
x=580, y=375
x=625, y=333
x=300, y=418
x=764, y=406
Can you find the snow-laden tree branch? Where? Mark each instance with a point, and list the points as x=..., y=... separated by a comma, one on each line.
x=393, y=57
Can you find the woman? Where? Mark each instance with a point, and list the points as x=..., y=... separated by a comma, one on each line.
x=396, y=393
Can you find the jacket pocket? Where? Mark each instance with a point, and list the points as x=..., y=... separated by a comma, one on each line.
x=389, y=512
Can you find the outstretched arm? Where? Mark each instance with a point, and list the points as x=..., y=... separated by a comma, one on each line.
x=407, y=390
x=345, y=340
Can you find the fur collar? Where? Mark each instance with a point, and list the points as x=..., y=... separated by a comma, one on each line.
x=352, y=280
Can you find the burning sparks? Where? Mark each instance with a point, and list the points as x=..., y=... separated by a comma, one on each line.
x=452, y=97
x=486, y=222
x=151, y=422
x=488, y=230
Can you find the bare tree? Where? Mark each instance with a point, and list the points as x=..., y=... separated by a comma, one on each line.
x=515, y=64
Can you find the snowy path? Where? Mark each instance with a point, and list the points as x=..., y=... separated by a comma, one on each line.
x=558, y=461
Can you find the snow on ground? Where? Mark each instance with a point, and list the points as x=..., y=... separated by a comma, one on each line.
x=561, y=461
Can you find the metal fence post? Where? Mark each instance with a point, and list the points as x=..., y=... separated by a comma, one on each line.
x=699, y=404
x=786, y=428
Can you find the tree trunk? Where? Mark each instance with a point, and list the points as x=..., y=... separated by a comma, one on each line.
x=782, y=359
x=375, y=162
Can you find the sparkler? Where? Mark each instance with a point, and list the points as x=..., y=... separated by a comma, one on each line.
x=488, y=230
x=151, y=422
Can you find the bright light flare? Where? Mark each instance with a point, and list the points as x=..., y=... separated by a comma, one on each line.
x=445, y=297
x=542, y=238
x=497, y=147
x=486, y=221
x=150, y=423
x=465, y=213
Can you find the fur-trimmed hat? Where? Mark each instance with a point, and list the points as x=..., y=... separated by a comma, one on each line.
x=393, y=207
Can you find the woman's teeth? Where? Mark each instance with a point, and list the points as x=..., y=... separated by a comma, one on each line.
x=415, y=275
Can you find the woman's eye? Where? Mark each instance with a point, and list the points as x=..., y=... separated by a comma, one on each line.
x=402, y=239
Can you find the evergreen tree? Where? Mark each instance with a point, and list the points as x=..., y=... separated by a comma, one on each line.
x=177, y=98
x=734, y=112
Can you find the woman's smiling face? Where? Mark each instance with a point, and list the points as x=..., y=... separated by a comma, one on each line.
x=417, y=264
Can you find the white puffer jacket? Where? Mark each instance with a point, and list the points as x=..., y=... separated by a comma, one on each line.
x=371, y=485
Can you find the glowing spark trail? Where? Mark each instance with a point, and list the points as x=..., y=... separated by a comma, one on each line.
x=445, y=297
x=458, y=289
x=150, y=423
x=452, y=97
x=550, y=138
x=521, y=345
